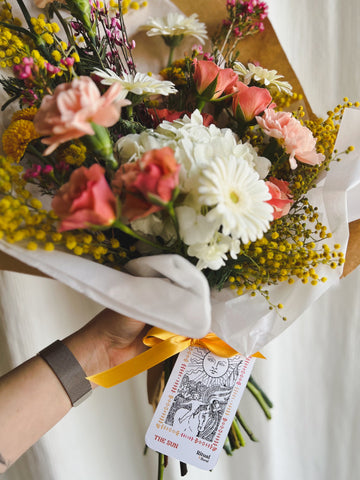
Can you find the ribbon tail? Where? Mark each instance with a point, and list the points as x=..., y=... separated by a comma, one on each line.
x=258, y=355
x=140, y=363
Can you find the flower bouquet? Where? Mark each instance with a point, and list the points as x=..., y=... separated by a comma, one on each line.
x=193, y=181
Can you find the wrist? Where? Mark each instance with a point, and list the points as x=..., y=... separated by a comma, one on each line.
x=88, y=347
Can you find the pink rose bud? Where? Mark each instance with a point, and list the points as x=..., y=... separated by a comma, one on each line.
x=147, y=184
x=86, y=200
x=212, y=81
x=249, y=101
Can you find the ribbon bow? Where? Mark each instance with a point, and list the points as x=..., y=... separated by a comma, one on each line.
x=162, y=345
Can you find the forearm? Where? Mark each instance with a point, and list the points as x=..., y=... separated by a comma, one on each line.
x=32, y=400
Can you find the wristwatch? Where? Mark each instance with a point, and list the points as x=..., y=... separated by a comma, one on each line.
x=68, y=370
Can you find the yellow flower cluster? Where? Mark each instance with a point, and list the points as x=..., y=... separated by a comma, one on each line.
x=284, y=101
x=19, y=134
x=45, y=29
x=325, y=131
x=12, y=47
x=74, y=154
x=23, y=219
x=176, y=72
x=293, y=247
x=25, y=114
x=127, y=5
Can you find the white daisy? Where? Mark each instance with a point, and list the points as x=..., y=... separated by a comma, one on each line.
x=176, y=24
x=138, y=84
x=238, y=198
x=269, y=78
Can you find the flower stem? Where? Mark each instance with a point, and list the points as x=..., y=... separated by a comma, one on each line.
x=171, y=54
x=124, y=228
x=161, y=466
x=237, y=431
x=246, y=427
x=64, y=25
x=34, y=151
x=265, y=397
x=130, y=112
x=171, y=211
x=26, y=14
x=226, y=40
x=227, y=447
x=233, y=437
x=200, y=104
x=259, y=398
x=183, y=469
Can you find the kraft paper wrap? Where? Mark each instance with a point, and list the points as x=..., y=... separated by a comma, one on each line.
x=264, y=48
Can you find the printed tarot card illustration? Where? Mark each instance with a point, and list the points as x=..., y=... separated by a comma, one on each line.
x=198, y=405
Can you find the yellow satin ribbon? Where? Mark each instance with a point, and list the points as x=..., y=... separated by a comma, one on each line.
x=162, y=345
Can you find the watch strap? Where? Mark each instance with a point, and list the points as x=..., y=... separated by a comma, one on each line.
x=68, y=370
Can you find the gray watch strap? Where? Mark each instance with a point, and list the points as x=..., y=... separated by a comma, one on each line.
x=68, y=370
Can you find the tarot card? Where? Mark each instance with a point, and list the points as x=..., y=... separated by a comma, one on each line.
x=198, y=406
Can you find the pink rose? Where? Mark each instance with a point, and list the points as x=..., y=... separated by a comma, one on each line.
x=298, y=140
x=208, y=74
x=147, y=182
x=67, y=113
x=85, y=200
x=280, y=197
x=249, y=101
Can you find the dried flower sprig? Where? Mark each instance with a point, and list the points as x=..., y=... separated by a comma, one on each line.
x=244, y=18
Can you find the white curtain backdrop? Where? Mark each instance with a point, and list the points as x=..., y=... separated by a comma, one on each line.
x=312, y=370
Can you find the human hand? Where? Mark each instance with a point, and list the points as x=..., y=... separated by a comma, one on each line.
x=107, y=340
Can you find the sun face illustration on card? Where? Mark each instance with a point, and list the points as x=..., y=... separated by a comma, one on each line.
x=198, y=405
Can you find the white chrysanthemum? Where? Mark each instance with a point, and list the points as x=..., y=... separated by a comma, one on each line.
x=238, y=198
x=269, y=78
x=138, y=84
x=248, y=153
x=133, y=146
x=153, y=226
x=214, y=254
x=192, y=127
x=176, y=24
x=194, y=227
x=194, y=145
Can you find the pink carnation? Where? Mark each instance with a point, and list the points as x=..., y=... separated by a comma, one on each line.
x=280, y=197
x=298, y=140
x=85, y=200
x=68, y=113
